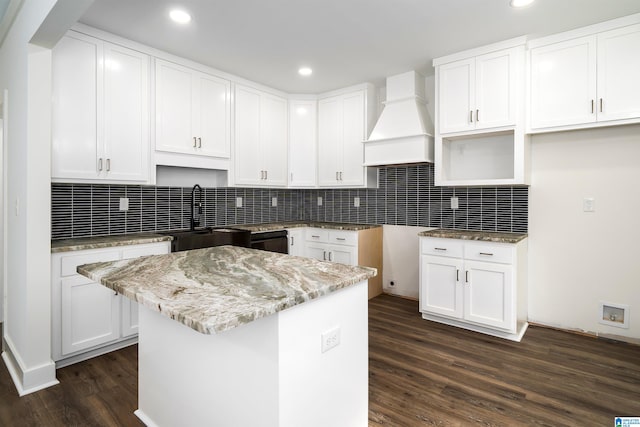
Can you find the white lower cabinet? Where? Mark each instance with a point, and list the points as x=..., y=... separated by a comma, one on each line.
x=89, y=319
x=332, y=245
x=296, y=241
x=475, y=285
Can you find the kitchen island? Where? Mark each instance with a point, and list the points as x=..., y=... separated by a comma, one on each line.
x=232, y=336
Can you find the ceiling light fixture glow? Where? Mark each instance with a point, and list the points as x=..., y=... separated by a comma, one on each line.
x=305, y=71
x=520, y=3
x=180, y=16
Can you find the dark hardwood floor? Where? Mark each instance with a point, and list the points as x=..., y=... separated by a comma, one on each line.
x=420, y=373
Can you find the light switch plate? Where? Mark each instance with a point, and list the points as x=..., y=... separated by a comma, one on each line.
x=124, y=203
x=238, y=202
x=356, y=202
x=319, y=201
x=589, y=204
x=454, y=202
x=274, y=202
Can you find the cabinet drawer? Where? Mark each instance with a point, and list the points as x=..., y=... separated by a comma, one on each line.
x=442, y=247
x=69, y=263
x=317, y=235
x=488, y=252
x=341, y=237
x=136, y=252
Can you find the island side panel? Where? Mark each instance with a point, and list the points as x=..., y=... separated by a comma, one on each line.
x=325, y=389
x=188, y=378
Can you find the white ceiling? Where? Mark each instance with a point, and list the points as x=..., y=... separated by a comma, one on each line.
x=345, y=41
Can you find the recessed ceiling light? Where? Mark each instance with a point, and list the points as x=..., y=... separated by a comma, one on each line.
x=305, y=71
x=180, y=16
x=520, y=3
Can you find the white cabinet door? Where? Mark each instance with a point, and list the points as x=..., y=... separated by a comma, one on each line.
x=618, y=74
x=212, y=120
x=316, y=251
x=77, y=87
x=90, y=314
x=100, y=113
x=296, y=241
x=193, y=111
x=489, y=294
x=563, y=83
x=273, y=139
x=456, y=96
x=343, y=254
x=495, y=99
x=440, y=286
x=302, y=143
x=353, y=134
x=174, y=108
x=126, y=114
x=329, y=140
x=248, y=163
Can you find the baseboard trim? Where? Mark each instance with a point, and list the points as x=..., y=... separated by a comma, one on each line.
x=143, y=417
x=27, y=380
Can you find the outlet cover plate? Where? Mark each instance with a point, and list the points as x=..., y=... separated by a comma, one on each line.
x=124, y=203
x=330, y=339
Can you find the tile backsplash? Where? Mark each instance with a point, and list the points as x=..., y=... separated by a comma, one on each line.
x=406, y=196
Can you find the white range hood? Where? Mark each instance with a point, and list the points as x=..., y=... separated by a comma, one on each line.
x=400, y=136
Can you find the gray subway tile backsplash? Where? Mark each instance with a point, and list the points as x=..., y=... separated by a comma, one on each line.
x=406, y=196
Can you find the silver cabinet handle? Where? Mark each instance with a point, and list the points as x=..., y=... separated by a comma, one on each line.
x=324, y=255
x=108, y=165
x=266, y=174
x=315, y=237
x=440, y=249
x=330, y=256
x=477, y=115
x=466, y=276
x=341, y=239
x=199, y=142
x=194, y=142
x=601, y=105
x=291, y=240
x=457, y=275
x=471, y=116
x=486, y=254
x=592, y=106
x=340, y=176
x=100, y=164
x=337, y=179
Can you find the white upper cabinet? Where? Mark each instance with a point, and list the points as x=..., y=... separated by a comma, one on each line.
x=342, y=127
x=586, y=80
x=479, y=92
x=260, y=138
x=303, y=143
x=193, y=111
x=100, y=118
x=480, y=138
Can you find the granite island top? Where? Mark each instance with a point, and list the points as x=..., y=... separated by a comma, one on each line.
x=484, y=236
x=82, y=243
x=216, y=289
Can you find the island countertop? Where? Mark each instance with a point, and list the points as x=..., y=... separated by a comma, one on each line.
x=216, y=289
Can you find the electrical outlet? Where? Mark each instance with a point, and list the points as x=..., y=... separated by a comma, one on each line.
x=124, y=203
x=238, y=202
x=319, y=201
x=330, y=339
x=454, y=202
x=589, y=204
x=274, y=202
x=356, y=202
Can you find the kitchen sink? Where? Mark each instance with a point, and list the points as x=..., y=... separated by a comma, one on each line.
x=184, y=240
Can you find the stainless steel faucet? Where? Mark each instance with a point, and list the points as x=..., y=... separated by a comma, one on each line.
x=196, y=207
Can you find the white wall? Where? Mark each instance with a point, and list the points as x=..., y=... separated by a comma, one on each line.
x=400, y=260
x=577, y=259
x=25, y=72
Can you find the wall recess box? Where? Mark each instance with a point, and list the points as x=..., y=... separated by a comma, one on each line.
x=614, y=315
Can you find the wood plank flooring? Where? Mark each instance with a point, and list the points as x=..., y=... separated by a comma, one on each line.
x=420, y=374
